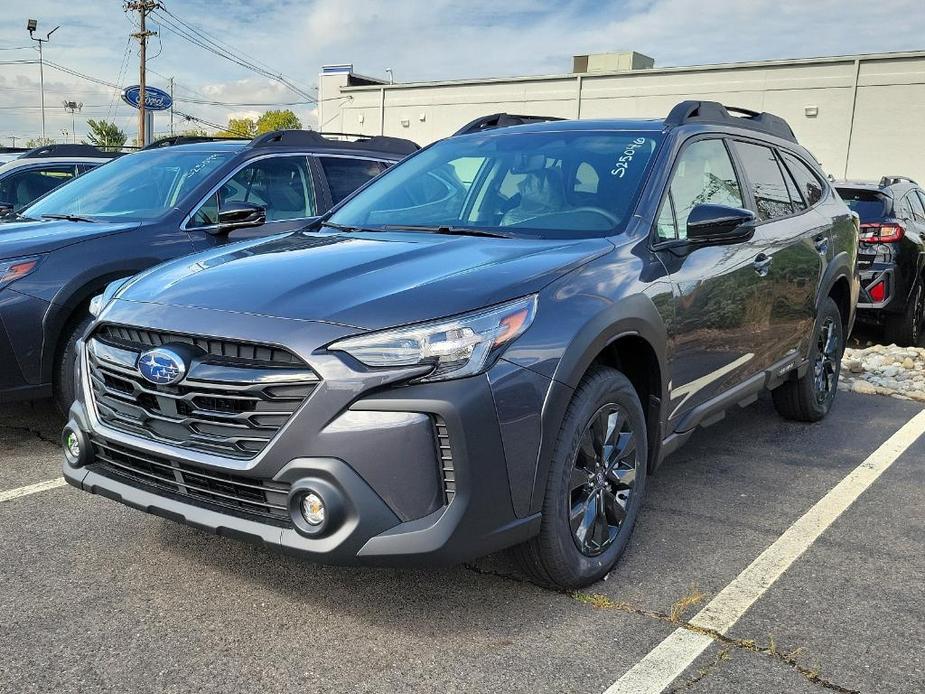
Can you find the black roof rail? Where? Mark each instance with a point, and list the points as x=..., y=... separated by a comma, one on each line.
x=172, y=140
x=12, y=150
x=715, y=112
x=500, y=120
x=316, y=140
x=890, y=180
x=72, y=150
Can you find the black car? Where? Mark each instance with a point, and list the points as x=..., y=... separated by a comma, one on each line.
x=891, y=255
x=148, y=207
x=40, y=170
x=491, y=345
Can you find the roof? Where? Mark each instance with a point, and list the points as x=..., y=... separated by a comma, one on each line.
x=21, y=163
x=878, y=186
x=305, y=141
x=645, y=124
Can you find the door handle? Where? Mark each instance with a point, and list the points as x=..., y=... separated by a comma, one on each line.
x=821, y=243
x=762, y=264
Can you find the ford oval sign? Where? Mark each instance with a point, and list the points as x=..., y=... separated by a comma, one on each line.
x=155, y=99
x=162, y=366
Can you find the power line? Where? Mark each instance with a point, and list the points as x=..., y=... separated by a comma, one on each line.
x=197, y=38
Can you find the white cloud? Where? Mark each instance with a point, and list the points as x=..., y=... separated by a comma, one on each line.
x=419, y=40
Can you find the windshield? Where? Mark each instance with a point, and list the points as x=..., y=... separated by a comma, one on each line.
x=138, y=186
x=869, y=205
x=565, y=184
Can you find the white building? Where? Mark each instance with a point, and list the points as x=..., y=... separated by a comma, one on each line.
x=863, y=116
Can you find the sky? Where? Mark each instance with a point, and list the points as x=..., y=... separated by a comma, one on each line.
x=417, y=39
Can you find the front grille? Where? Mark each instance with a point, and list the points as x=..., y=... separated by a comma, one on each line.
x=445, y=456
x=138, y=340
x=227, y=405
x=247, y=497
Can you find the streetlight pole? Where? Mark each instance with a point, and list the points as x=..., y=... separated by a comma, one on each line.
x=31, y=26
x=73, y=107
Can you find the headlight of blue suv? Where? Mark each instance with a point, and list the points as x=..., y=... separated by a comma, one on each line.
x=456, y=347
x=17, y=268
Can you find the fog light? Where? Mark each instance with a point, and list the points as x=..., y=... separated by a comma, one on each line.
x=313, y=509
x=73, y=451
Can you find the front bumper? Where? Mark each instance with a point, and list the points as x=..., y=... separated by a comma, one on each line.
x=378, y=452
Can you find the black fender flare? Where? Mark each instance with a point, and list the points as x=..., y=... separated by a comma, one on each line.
x=840, y=267
x=635, y=316
x=66, y=302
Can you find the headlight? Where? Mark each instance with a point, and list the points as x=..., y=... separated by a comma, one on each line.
x=12, y=270
x=100, y=301
x=455, y=347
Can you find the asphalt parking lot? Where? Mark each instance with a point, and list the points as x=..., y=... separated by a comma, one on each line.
x=98, y=597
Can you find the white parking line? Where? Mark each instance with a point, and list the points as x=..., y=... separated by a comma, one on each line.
x=674, y=655
x=32, y=489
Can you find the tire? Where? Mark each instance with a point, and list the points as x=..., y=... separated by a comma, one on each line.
x=64, y=386
x=809, y=399
x=906, y=329
x=605, y=398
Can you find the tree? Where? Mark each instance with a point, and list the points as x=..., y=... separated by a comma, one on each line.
x=278, y=120
x=239, y=127
x=193, y=132
x=105, y=134
x=39, y=142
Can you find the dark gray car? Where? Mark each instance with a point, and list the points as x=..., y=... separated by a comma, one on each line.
x=491, y=345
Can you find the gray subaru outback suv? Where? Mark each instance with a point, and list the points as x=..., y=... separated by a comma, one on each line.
x=492, y=345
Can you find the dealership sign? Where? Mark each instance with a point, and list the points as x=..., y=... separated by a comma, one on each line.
x=155, y=99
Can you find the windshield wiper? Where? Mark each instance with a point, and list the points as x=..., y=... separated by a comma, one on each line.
x=68, y=217
x=449, y=231
x=347, y=227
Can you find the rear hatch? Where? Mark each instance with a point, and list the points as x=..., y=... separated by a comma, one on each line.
x=874, y=209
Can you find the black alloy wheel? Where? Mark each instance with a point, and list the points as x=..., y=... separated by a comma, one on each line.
x=828, y=355
x=603, y=475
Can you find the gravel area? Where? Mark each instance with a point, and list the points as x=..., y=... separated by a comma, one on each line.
x=885, y=370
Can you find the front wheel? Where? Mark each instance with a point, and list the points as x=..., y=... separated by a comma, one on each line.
x=595, y=486
x=65, y=388
x=809, y=399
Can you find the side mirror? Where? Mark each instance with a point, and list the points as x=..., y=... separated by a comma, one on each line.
x=718, y=224
x=235, y=215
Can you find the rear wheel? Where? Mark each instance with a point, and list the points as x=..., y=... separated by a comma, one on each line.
x=906, y=330
x=65, y=388
x=595, y=485
x=809, y=399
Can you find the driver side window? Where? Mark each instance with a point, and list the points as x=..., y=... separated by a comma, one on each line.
x=704, y=174
x=282, y=185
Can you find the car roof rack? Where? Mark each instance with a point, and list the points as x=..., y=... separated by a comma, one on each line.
x=716, y=113
x=72, y=150
x=890, y=180
x=316, y=140
x=172, y=140
x=500, y=120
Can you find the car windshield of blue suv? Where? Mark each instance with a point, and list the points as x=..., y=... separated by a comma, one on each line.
x=552, y=184
x=139, y=186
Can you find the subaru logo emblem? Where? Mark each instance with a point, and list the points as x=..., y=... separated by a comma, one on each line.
x=162, y=366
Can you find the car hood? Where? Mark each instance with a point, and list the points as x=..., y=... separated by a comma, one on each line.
x=42, y=236
x=368, y=281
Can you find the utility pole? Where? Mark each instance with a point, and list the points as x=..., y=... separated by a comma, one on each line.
x=142, y=7
x=13, y=139
x=31, y=26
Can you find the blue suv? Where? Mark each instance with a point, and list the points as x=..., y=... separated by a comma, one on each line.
x=148, y=207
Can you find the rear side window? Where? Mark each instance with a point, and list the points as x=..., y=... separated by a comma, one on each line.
x=809, y=184
x=704, y=174
x=917, y=210
x=772, y=200
x=22, y=187
x=904, y=209
x=870, y=205
x=346, y=175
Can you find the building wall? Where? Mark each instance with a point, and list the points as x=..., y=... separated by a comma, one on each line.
x=870, y=109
